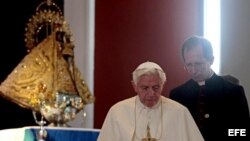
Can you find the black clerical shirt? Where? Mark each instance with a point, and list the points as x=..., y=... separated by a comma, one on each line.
x=216, y=106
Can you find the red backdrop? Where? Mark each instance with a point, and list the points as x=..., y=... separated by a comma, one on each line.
x=130, y=32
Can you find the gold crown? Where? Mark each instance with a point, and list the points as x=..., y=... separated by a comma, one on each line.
x=47, y=19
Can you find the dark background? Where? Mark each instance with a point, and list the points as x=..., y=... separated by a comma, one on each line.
x=14, y=17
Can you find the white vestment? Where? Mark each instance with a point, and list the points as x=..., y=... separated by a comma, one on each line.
x=168, y=121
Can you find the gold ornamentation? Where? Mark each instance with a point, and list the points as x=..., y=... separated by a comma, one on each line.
x=148, y=138
x=49, y=17
x=39, y=76
x=48, y=71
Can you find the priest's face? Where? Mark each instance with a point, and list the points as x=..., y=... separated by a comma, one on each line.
x=149, y=88
x=197, y=66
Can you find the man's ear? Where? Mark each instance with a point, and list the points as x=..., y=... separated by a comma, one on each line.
x=134, y=86
x=211, y=61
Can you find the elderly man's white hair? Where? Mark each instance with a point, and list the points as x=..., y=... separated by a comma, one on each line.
x=148, y=68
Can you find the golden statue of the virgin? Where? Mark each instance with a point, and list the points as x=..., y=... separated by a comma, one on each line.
x=47, y=79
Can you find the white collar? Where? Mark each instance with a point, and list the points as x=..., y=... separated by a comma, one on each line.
x=202, y=83
x=141, y=105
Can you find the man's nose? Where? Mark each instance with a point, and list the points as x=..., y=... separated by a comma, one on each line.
x=192, y=69
x=151, y=91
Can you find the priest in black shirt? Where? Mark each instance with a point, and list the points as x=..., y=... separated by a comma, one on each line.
x=216, y=104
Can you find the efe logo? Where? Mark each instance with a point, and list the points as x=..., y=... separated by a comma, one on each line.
x=236, y=132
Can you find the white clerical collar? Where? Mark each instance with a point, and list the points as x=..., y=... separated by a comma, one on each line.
x=202, y=83
x=141, y=105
